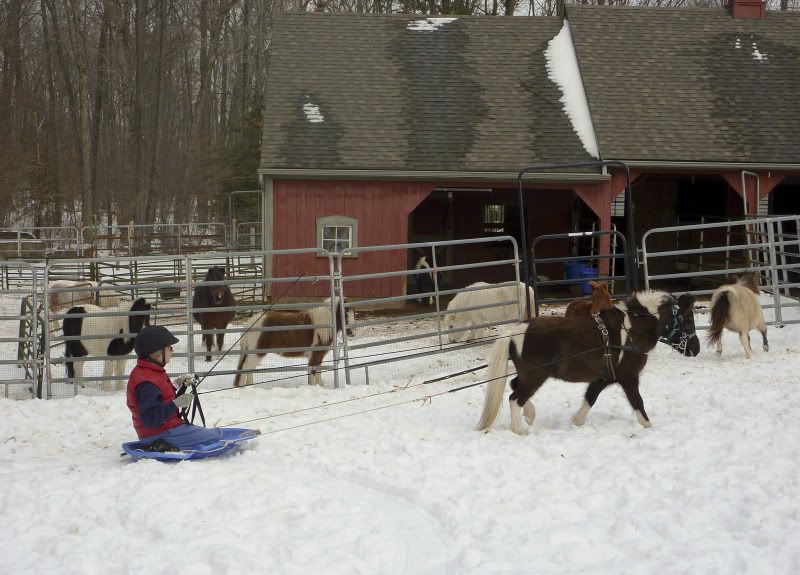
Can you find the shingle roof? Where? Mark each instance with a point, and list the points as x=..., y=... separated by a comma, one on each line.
x=471, y=96
x=690, y=84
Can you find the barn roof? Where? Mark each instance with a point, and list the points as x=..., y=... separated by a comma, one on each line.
x=471, y=95
x=404, y=93
x=690, y=84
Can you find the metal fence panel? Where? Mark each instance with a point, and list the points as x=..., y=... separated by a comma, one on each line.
x=434, y=332
x=20, y=358
x=767, y=246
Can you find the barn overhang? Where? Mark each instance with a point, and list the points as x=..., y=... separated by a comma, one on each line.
x=497, y=177
x=711, y=166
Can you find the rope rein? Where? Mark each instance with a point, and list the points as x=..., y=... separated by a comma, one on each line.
x=606, y=346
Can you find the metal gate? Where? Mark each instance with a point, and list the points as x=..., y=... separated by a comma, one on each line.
x=568, y=288
x=766, y=246
x=433, y=335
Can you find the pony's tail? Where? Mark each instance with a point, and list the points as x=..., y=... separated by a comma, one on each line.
x=498, y=368
x=719, y=315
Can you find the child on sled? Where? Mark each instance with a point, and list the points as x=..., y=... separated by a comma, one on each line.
x=153, y=398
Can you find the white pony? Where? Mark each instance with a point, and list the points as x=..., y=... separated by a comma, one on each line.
x=59, y=300
x=293, y=332
x=736, y=307
x=507, y=303
x=108, y=328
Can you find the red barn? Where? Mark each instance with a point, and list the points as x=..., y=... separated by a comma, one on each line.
x=389, y=129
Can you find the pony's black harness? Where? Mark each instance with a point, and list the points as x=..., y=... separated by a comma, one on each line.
x=676, y=335
x=608, y=359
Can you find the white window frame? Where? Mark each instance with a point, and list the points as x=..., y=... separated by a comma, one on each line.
x=337, y=222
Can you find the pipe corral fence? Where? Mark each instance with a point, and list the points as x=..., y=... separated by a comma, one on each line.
x=397, y=326
x=767, y=247
x=105, y=289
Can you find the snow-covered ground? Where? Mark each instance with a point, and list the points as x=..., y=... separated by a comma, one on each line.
x=347, y=487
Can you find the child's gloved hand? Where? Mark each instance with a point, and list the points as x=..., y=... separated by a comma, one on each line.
x=183, y=380
x=183, y=401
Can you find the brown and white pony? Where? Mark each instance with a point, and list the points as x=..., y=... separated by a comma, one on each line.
x=600, y=299
x=736, y=307
x=308, y=328
x=575, y=350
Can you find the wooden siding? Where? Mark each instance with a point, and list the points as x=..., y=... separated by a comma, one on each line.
x=381, y=209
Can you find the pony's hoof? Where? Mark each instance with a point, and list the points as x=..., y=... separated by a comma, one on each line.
x=522, y=432
x=642, y=420
x=719, y=353
x=580, y=416
x=766, y=348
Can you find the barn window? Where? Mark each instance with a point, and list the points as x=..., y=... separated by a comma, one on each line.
x=494, y=218
x=337, y=233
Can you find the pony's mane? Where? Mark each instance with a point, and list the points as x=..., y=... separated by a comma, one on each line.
x=748, y=281
x=651, y=300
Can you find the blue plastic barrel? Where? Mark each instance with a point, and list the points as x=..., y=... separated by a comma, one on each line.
x=572, y=269
x=588, y=273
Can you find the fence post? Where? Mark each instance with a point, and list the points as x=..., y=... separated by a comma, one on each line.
x=189, y=322
x=436, y=295
x=776, y=292
x=339, y=288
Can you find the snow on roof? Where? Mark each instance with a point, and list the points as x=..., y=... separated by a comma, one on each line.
x=429, y=24
x=562, y=69
x=313, y=114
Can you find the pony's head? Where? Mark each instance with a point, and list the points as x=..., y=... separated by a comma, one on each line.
x=675, y=317
x=137, y=321
x=217, y=274
x=601, y=299
x=455, y=321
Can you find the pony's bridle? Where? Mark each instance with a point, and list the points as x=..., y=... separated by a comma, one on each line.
x=676, y=335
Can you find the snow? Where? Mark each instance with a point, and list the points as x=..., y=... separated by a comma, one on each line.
x=563, y=70
x=429, y=24
x=312, y=113
x=759, y=56
x=371, y=479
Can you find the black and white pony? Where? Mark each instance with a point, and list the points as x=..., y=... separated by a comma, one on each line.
x=736, y=307
x=610, y=347
x=68, y=293
x=425, y=280
x=104, y=335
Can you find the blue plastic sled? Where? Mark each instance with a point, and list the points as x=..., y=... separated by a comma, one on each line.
x=231, y=437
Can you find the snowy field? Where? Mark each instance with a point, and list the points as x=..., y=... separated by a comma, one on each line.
x=348, y=487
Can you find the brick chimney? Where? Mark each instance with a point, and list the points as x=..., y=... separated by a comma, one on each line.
x=747, y=9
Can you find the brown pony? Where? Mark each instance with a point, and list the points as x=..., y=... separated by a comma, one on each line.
x=583, y=349
x=600, y=299
x=207, y=297
x=292, y=333
x=736, y=307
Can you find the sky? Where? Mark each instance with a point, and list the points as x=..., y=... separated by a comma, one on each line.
x=376, y=479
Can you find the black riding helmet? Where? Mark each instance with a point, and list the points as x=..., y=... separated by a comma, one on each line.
x=152, y=339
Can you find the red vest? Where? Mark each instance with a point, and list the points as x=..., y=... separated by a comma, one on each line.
x=152, y=372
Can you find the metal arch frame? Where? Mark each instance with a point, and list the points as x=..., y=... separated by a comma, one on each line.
x=631, y=264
